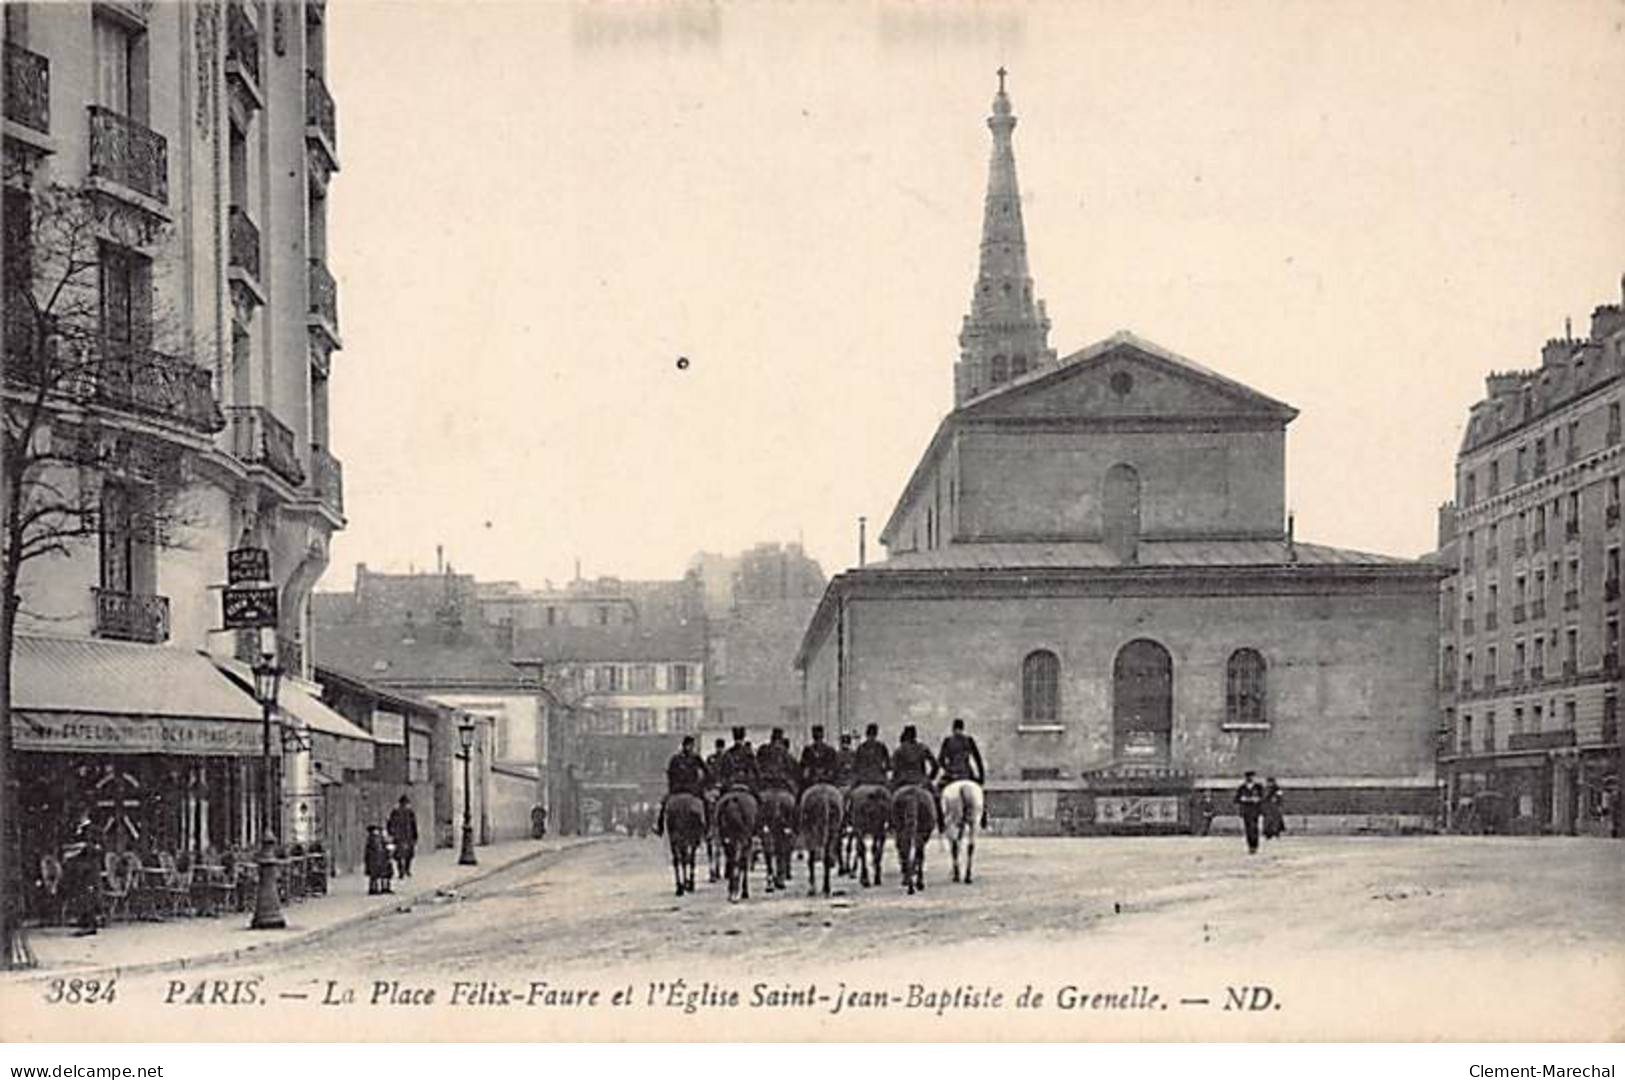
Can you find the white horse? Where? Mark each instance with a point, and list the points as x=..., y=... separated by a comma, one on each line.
x=961, y=816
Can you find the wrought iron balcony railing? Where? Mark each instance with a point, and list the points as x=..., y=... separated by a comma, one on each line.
x=132, y=616
x=319, y=111
x=1537, y=673
x=245, y=243
x=28, y=88
x=324, y=294
x=259, y=438
x=242, y=43
x=327, y=477
x=128, y=153
x=140, y=379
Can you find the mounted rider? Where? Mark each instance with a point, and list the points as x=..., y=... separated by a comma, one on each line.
x=737, y=766
x=685, y=775
x=713, y=763
x=819, y=762
x=912, y=764
x=871, y=763
x=844, y=762
x=776, y=767
x=960, y=760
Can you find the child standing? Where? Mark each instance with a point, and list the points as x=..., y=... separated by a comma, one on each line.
x=379, y=867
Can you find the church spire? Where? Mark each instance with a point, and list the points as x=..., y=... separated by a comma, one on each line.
x=1006, y=333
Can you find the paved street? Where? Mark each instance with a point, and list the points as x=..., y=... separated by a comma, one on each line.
x=1354, y=937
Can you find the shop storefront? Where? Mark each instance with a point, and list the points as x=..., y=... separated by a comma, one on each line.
x=160, y=751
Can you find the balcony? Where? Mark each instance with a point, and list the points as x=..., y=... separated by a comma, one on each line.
x=1466, y=686
x=28, y=88
x=1610, y=516
x=243, y=50
x=321, y=118
x=327, y=477
x=1571, y=600
x=1610, y=665
x=1467, y=625
x=245, y=244
x=144, y=380
x=1569, y=669
x=1537, y=609
x=1537, y=673
x=1519, y=678
x=259, y=438
x=324, y=301
x=1491, y=621
x=1610, y=589
x=126, y=616
x=1541, y=740
x=1489, y=684
x=128, y=154
x=1517, y=613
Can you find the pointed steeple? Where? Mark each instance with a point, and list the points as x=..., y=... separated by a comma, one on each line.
x=1006, y=333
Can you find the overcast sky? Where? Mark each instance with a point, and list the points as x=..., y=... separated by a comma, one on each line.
x=1357, y=208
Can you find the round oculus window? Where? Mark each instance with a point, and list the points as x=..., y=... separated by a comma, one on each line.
x=1122, y=382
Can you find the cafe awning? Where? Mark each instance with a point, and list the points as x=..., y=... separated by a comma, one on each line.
x=334, y=739
x=88, y=695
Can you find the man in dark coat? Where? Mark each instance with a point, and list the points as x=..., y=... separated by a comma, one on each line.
x=403, y=832
x=713, y=764
x=912, y=763
x=844, y=762
x=871, y=764
x=775, y=766
x=819, y=763
x=737, y=768
x=1274, y=810
x=1250, y=801
x=376, y=857
x=685, y=774
x=82, y=861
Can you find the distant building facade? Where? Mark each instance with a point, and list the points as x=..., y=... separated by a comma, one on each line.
x=1092, y=566
x=1530, y=614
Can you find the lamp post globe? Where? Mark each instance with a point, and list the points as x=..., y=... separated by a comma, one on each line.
x=267, y=904
x=465, y=734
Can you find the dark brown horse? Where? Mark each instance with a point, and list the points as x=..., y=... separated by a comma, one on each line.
x=713, y=844
x=913, y=815
x=821, y=821
x=870, y=809
x=736, y=827
x=685, y=826
x=777, y=809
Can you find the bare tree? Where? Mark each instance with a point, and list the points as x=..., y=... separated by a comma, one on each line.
x=80, y=364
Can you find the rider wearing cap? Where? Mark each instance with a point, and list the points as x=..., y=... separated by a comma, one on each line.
x=775, y=766
x=685, y=774
x=844, y=762
x=737, y=766
x=713, y=763
x=960, y=760
x=819, y=762
x=912, y=763
x=872, y=761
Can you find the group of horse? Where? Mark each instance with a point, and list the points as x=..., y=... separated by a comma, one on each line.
x=844, y=829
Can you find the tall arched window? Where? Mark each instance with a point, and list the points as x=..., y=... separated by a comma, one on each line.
x=1041, y=688
x=1018, y=366
x=1244, y=688
x=1000, y=371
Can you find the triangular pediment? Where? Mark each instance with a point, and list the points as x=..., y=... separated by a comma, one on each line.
x=1126, y=377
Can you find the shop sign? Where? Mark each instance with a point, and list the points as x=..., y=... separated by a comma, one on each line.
x=247, y=565
x=1137, y=810
x=109, y=734
x=249, y=609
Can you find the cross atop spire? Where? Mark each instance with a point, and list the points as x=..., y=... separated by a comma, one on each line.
x=1006, y=334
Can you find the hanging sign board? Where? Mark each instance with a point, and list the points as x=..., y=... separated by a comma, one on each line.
x=249, y=564
x=249, y=609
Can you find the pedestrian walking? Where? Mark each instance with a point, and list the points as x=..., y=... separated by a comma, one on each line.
x=403, y=833
x=82, y=861
x=1250, y=801
x=379, y=867
x=1274, y=812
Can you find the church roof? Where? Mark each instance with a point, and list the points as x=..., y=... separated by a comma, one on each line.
x=1149, y=553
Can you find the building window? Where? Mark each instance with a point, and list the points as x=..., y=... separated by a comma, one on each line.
x=552, y=616
x=603, y=616
x=1489, y=730
x=125, y=281
x=609, y=677
x=679, y=677
x=1018, y=368
x=1536, y=715
x=1244, y=688
x=1470, y=493
x=1040, y=688
x=1466, y=733
x=642, y=721
x=642, y=677
x=1495, y=478
x=682, y=719
x=1517, y=720
x=1000, y=370
x=1569, y=714
x=121, y=77
x=1540, y=457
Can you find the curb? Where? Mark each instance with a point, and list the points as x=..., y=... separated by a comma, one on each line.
x=271, y=946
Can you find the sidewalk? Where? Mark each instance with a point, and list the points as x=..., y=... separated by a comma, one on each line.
x=136, y=946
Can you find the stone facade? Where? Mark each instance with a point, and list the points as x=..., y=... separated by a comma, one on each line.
x=1529, y=650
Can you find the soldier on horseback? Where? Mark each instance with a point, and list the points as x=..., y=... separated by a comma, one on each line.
x=713, y=763
x=775, y=767
x=685, y=774
x=912, y=763
x=960, y=760
x=819, y=762
x=871, y=763
x=737, y=766
x=844, y=763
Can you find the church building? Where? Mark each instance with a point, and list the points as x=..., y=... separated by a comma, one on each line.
x=1093, y=566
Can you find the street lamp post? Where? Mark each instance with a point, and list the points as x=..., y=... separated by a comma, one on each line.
x=465, y=733
x=267, y=905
